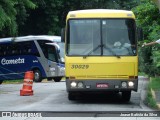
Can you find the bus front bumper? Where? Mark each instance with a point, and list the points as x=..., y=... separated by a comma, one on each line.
x=101, y=85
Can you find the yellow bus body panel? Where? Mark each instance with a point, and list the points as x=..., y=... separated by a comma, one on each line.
x=101, y=67
x=101, y=13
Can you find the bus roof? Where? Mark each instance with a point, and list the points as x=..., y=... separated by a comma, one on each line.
x=30, y=38
x=101, y=13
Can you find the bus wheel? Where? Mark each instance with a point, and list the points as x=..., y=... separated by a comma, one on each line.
x=49, y=78
x=57, y=79
x=37, y=75
x=1, y=82
x=126, y=95
x=71, y=96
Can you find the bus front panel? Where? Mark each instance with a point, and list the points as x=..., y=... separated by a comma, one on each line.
x=101, y=73
x=101, y=54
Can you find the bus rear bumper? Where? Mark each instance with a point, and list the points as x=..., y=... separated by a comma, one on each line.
x=101, y=85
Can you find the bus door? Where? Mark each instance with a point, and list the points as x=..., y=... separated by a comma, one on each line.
x=52, y=57
x=54, y=62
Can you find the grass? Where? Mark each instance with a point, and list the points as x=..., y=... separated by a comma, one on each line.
x=150, y=101
x=21, y=81
x=154, y=84
x=142, y=74
x=12, y=81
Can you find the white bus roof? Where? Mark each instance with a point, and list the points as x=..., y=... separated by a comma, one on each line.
x=31, y=37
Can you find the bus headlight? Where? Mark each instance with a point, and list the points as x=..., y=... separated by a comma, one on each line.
x=80, y=85
x=130, y=84
x=73, y=84
x=124, y=85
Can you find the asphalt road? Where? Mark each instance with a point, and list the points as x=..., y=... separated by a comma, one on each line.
x=51, y=97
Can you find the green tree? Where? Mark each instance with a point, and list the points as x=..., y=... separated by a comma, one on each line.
x=10, y=10
x=50, y=15
x=157, y=3
x=147, y=15
x=18, y=17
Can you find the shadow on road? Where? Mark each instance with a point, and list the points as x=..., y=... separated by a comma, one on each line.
x=107, y=98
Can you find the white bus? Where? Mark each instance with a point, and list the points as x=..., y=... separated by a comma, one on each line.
x=44, y=55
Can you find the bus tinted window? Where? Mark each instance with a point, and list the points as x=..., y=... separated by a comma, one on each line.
x=51, y=54
x=19, y=48
x=48, y=51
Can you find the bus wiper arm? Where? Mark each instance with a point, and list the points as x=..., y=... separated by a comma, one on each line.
x=96, y=48
x=111, y=51
x=99, y=46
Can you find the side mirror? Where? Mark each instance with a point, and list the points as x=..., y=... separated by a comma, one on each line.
x=63, y=35
x=62, y=59
x=140, y=34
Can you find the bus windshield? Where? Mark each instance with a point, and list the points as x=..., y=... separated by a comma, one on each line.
x=101, y=37
x=61, y=45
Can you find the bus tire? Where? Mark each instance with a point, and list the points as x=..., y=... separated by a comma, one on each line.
x=49, y=78
x=126, y=95
x=57, y=79
x=37, y=75
x=1, y=81
x=71, y=96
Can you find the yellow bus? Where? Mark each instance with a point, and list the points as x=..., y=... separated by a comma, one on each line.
x=100, y=52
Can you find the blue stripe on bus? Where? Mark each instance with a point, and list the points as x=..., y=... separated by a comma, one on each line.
x=15, y=66
x=60, y=64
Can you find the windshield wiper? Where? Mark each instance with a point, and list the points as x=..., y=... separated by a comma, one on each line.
x=102, y=46
x=108, y=48
x=96, y=48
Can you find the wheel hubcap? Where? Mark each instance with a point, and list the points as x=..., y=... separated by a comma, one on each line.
x=36, y=76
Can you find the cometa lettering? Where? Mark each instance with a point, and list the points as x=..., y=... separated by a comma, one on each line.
x=12, y=61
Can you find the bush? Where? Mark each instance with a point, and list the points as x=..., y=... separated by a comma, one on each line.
x=150, y=101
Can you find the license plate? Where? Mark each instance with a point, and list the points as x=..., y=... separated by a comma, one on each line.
x=102, y=85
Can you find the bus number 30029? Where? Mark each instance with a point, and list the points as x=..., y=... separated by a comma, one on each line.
x=79, y=66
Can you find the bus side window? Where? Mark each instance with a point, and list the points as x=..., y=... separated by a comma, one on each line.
x=25, y=48
x=5, y=50
x=33, y=50
x=8, y=50
x=19, y=48
x=1, y=51
x=24, y=51
x=45, y=52
x=52, y=53
x=44, y=47
x=14, y=49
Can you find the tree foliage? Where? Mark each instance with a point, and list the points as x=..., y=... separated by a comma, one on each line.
x=19, y=16
x=147, y=14
x=9, y=12
x=37, y=17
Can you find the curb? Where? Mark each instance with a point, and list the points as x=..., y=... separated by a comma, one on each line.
x=158, y=106
x=154, y=95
